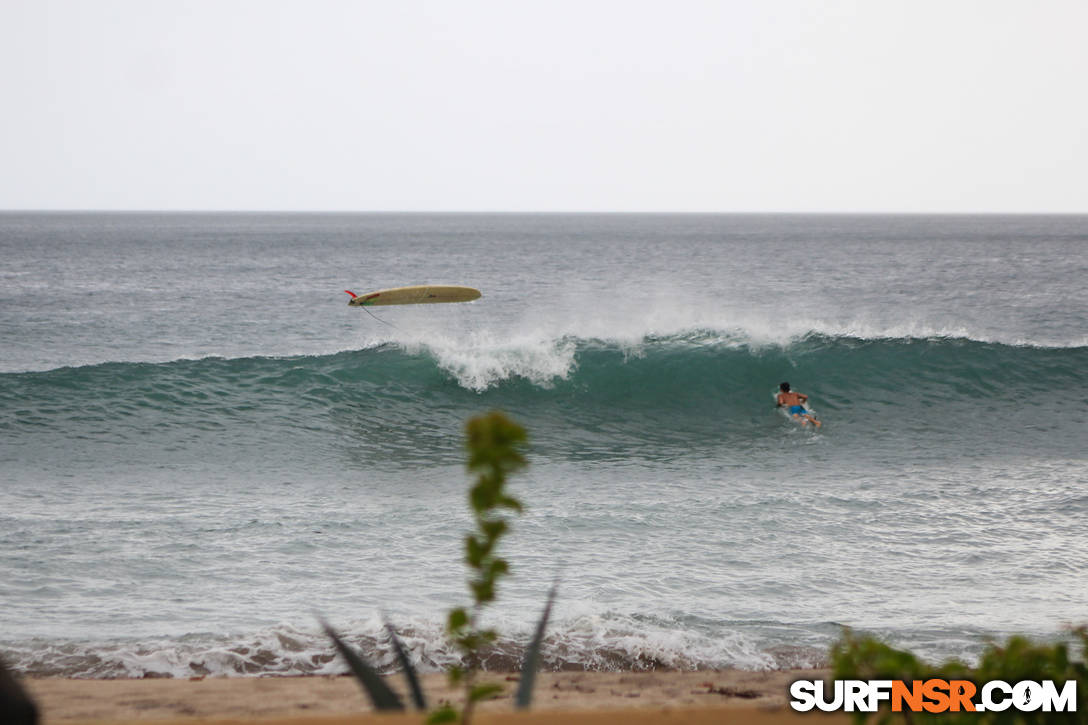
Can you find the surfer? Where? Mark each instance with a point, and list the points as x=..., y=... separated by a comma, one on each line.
x=796, y=402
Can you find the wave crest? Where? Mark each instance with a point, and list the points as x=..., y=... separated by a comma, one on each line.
x=581, y=644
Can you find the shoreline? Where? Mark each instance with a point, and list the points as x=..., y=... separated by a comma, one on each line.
x=320, y=697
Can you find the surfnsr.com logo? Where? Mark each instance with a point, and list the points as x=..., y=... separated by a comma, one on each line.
x=934, y=695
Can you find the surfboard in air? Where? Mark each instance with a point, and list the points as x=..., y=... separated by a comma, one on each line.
x=420, y=294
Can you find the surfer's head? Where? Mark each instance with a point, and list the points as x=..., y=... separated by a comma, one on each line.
x=784, y=387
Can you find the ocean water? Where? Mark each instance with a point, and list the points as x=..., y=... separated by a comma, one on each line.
x=202, y=447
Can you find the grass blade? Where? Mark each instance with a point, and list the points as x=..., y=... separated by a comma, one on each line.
x=379, y=692
x=532, y=656
x=409, y=671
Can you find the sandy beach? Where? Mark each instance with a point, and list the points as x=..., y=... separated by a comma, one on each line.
x=599, y=697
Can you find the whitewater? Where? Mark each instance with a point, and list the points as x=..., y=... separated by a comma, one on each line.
x=204, y=447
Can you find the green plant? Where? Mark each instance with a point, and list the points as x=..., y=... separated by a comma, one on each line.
x=867, y=658
x=531, y=661
x=381, y=695
x=406, y=666
x=494, y=443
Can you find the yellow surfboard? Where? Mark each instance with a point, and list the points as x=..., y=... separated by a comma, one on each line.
x=420, y=294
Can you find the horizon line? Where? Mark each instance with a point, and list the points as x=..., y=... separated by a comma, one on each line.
x=78, y=210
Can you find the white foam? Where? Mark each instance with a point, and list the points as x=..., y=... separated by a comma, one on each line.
x=482, y=362
x=593, y=641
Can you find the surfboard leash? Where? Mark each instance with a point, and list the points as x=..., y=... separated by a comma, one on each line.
x=380, y=319
x=353, y=296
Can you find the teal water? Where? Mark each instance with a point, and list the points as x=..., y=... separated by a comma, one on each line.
x=202, y=445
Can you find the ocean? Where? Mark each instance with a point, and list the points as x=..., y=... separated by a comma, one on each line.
x=203, y=448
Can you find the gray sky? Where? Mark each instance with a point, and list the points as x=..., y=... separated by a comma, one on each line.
x=915, y=106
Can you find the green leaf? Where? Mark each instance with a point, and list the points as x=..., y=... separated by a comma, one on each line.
x=457, y=620
x=531, y=662
x=469, y=642
x=511, y=503
x=494, y=528
x=480, y=498
x=444, y=714
x=484, y=691
x=379, y=692
x=475, y=551
x=484, y=591
x=492, y=440
x=409, y=671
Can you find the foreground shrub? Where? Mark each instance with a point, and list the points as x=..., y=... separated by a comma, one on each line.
x=867, y=658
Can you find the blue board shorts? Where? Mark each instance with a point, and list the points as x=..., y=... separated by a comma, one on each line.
x=797, y=410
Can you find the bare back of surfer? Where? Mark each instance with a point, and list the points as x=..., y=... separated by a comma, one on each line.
x=796, y=402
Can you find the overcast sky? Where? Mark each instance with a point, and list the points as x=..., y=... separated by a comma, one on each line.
x=915, y=106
